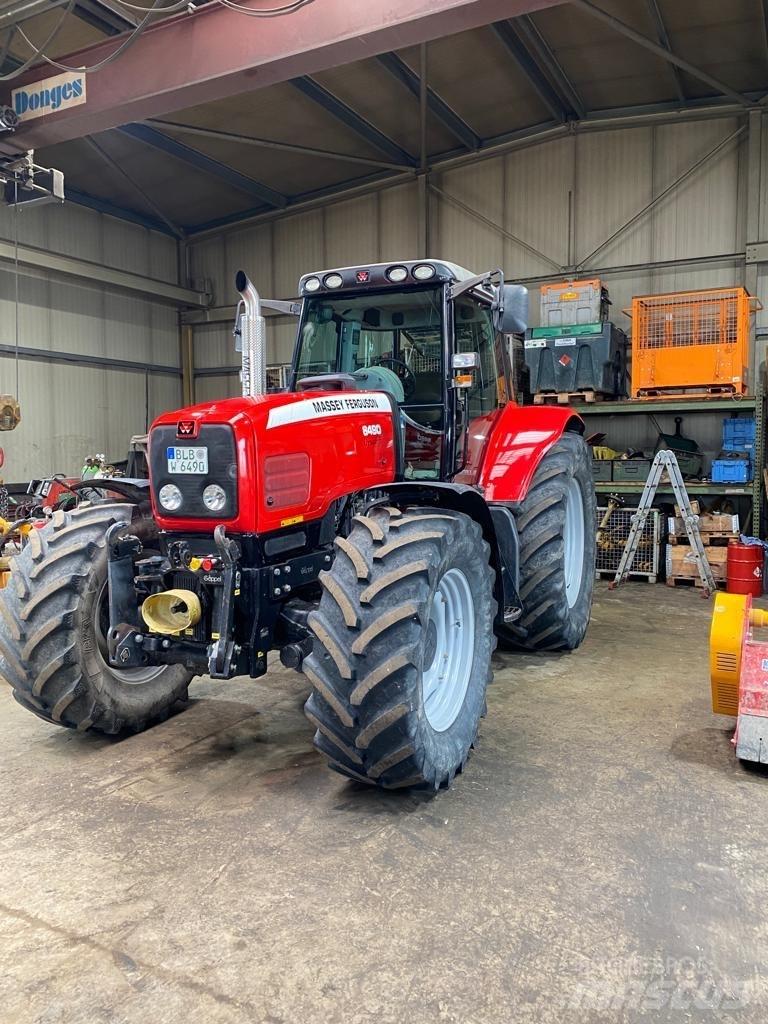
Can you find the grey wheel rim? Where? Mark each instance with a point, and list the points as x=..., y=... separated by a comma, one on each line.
x=451, y=630
x=573, y=542
x=125, y=675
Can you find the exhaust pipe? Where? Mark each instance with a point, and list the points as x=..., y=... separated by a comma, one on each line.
x=254, y=339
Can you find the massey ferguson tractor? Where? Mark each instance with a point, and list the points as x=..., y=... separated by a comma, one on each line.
x=381, y=523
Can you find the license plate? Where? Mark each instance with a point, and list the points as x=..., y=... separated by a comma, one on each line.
x=188, y=460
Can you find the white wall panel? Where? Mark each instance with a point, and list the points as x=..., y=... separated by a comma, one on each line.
x=299, y=247
x=250, y=251
x=351, y=232
x=613, y=181
x=398, y=223
x=563, y=197
x=701, y=216
x=208, y=389
x=538, y=182
x=71, y=411
x=457, y=235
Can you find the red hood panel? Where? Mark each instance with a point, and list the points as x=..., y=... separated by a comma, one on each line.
x=347, y=436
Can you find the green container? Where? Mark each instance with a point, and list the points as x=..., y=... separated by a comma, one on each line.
x=631, y=470
x=690, y=463
x=601, y=469
x=575, y=330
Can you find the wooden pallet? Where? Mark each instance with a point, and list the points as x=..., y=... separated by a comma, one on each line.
x=639, y=575
x=569, y=397
x=714, y=391
x=677, y=581
x=707, y=539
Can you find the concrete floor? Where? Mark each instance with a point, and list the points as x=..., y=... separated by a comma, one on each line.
x=603, y=859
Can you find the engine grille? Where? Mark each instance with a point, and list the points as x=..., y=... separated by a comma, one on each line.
x=222, y=470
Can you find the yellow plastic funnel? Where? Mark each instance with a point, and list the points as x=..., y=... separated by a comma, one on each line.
x=172, y=611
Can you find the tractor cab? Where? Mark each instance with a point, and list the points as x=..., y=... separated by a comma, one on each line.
x=429, y=334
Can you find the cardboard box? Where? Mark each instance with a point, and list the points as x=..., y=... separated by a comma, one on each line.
x=681, y=561
x=695, y=507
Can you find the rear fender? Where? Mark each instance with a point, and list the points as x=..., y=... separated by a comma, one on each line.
x=521, y=437
x=497, y=524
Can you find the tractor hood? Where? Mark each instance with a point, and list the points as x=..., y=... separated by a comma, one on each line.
x=280, y=458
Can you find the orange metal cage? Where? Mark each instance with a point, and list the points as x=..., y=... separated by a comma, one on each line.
x=691, y=342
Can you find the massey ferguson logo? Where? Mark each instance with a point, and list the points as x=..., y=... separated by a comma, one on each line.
x=186, y=428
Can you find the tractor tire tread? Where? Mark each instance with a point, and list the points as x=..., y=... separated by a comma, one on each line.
x=365, y=665
x=42, y=659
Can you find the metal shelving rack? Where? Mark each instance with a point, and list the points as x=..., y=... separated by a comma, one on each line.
x=756, y=403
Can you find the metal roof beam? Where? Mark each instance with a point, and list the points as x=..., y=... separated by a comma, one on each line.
x=508, y=34
x=352, y=120
x=288, y=147
x=88, y=273
x=660, y=51
x=19, y=14
x=135, y=187
x=605, y=120
x=536, y=41
x=663, y=36
x=440, y=110
x=194, y=158
x=73, y=195
x=103, y=18
x=234, y=54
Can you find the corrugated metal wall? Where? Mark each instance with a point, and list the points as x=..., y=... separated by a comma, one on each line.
x=71, y=411
x=562, y=198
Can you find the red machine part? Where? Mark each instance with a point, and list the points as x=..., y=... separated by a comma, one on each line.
x=345, y=443
x=506, y=446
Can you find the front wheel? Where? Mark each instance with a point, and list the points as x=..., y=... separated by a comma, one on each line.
x=402, y=657
x=556, y=525
x=54, y=619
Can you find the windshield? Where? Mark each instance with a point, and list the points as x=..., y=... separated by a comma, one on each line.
x=401, y=331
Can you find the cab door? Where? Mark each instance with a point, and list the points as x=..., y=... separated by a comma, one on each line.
x=479, y=407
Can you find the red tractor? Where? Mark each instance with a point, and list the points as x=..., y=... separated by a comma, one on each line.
x=381, y=524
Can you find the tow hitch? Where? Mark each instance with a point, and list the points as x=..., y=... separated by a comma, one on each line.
x=131, y=646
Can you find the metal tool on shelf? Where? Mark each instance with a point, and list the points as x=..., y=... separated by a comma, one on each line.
x=665, y=461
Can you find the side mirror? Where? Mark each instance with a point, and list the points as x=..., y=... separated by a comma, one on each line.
x=510, y=312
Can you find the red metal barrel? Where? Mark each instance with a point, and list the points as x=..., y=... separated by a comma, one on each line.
x=745, y=569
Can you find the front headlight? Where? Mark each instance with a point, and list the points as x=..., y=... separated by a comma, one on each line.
x=170, y=497
x=214, y=498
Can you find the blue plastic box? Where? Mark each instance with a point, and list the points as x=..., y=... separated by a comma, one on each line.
x=739, y=435
x=731, y=471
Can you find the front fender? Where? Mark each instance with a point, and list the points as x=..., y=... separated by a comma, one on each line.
x=520, y=438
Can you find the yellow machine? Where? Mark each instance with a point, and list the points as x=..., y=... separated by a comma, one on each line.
x=8, y=532
x=738, y=665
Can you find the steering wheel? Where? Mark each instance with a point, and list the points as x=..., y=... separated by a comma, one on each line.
x=403, y=372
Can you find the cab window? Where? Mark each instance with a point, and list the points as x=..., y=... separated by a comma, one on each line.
x=475, y=333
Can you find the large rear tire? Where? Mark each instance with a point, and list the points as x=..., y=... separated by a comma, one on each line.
x=403, y=652
x=53, y=629
x=556, y=528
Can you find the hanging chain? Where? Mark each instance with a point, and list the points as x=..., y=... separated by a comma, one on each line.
x=16, y=274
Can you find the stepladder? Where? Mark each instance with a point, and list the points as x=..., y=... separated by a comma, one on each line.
x=665, y=461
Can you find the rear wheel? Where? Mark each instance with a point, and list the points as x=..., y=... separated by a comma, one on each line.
x=556, y=525
x=53, y=625
x=403, y=652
